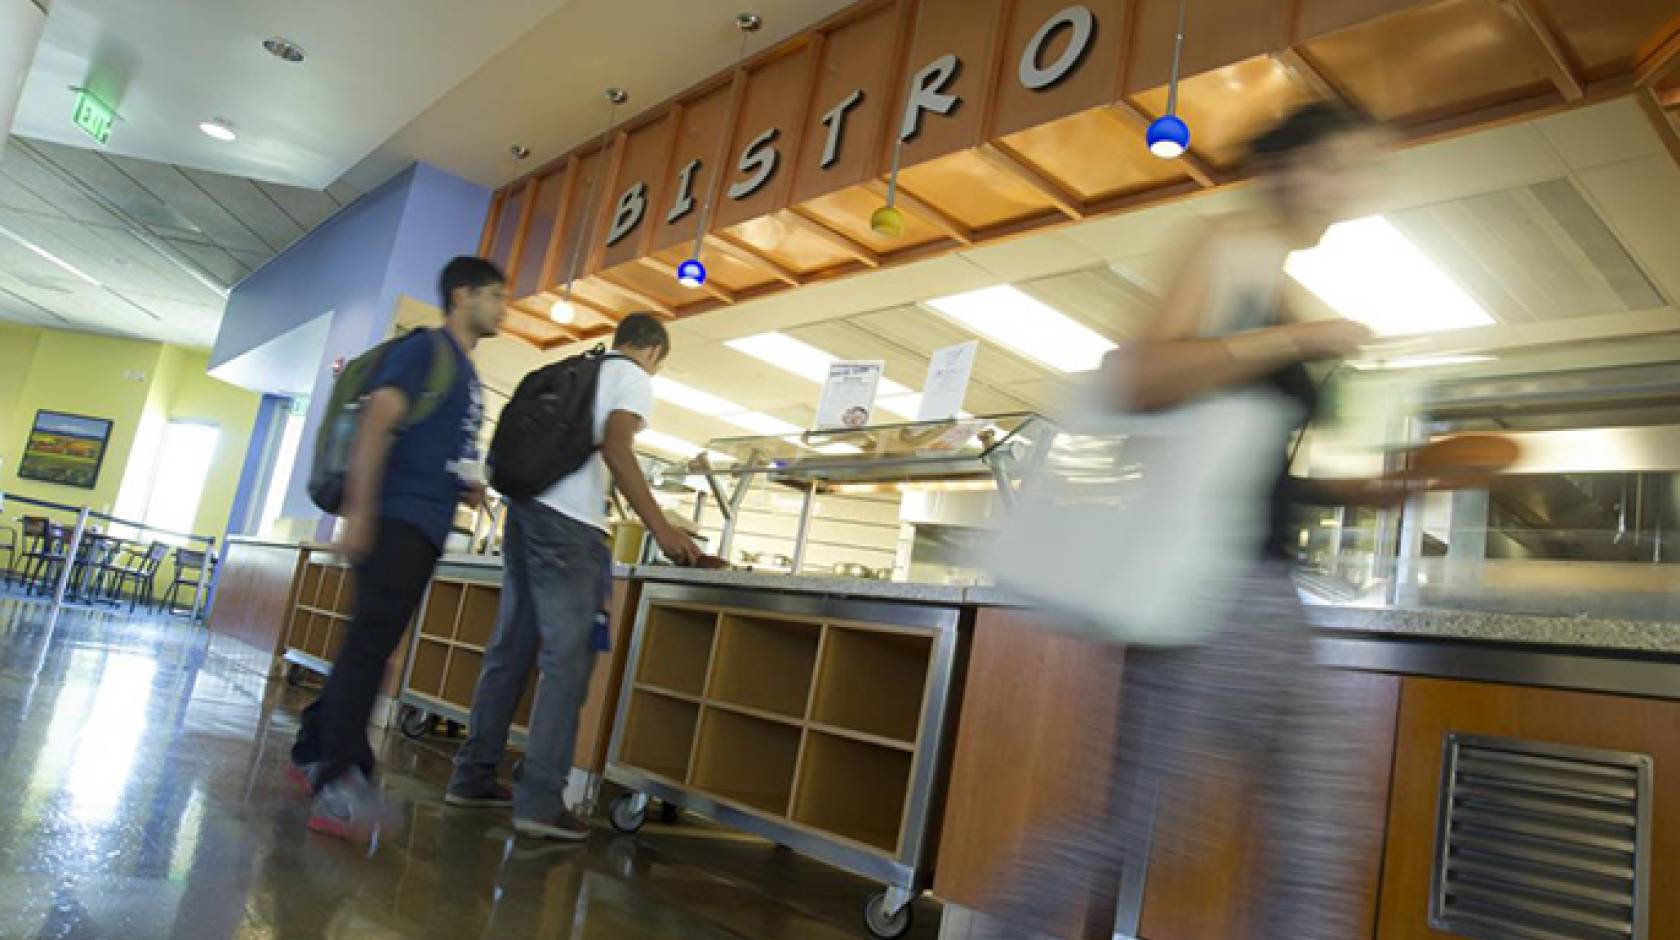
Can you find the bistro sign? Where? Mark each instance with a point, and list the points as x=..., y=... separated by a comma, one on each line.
x=928, y=94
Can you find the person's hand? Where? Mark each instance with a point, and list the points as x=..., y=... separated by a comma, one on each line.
x=473, y=494
x=1329, y=339
x=676, y=545
x=360, y=528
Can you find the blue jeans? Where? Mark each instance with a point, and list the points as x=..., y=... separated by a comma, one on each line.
x=553, y=568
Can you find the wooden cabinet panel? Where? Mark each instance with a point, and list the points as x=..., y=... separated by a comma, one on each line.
x=600, y=705
x=1033, y=747
x=1433, y=708
x=253, y=600
x=1184, y=902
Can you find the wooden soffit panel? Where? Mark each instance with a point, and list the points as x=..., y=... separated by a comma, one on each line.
x=1021, y=115
x=701, y=137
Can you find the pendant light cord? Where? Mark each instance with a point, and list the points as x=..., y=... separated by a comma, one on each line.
x=706, y=207
x=898, y=132
x=1178, y=52
x=589, y=200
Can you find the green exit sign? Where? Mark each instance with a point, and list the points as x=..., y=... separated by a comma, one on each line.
x=93, y=116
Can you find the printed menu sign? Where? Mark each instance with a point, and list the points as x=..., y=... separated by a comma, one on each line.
x=848, y=398
x=947, y=382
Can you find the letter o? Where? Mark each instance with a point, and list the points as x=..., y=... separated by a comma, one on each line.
x=1078, y=18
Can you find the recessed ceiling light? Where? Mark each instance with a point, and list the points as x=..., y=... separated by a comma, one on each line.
x=219, y=129
x=284, y=49
x=1366, y=270
x=1012, y=318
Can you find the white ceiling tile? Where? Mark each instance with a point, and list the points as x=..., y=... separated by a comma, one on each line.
x=1640, y=200
x=1607, y=133
x=1023, y=258
x=249, y=203
x=307, y=207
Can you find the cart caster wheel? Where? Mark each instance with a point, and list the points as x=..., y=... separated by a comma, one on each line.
x=670, y=814
x=626, y=816
x=414, y=723
x=879, y=923
x=294, y=675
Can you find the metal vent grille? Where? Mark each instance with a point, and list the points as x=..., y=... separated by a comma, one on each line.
x=1541, y=842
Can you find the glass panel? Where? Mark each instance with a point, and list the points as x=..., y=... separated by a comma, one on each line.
x=960, y=440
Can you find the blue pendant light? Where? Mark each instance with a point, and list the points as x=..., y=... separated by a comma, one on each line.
x=1169, y=136
x=691, y=273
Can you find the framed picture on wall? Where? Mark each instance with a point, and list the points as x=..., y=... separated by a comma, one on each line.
x=65, y=449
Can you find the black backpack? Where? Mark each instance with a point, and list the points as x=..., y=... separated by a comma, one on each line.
x=547, y=430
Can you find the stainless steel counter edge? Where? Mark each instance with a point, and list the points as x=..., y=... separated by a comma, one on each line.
x=949, y=594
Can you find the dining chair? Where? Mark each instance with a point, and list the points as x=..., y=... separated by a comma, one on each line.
x=188, y=566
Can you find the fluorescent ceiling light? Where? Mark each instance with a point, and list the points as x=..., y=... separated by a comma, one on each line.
x=760, y=423
x=1366, y=270
x=714, y=406
x=668, y=443
x=786, y=353
x=693, y=399
x=838, y=450
x=49, y=257
x=808, y=362
x=1009, y=317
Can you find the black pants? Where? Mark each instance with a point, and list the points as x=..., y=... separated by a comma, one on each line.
x=389, y=584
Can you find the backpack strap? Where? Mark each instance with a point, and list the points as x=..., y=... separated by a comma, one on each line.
x=440, y=379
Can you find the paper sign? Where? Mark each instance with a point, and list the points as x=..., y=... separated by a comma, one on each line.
x=848, y=398
x=947, y=382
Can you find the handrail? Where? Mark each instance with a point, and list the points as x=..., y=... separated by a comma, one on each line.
x=73, y=550
x=61, y=507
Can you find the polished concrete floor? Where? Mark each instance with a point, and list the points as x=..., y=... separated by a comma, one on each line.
x=141, y=796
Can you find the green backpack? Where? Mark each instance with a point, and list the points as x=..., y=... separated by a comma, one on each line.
x=344, y=412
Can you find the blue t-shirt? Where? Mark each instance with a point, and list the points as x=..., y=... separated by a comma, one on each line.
x=422, y=484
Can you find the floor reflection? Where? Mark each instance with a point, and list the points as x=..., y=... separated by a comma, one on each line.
x=141, y=796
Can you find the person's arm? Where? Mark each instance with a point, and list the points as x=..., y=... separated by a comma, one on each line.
x=382, y=414
x=1171, y=362
x=618, y=452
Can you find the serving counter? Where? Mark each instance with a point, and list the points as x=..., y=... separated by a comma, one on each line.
x=730, y=672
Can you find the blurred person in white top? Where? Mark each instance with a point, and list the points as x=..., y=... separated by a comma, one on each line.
x=555, y=564
x=1245, y=712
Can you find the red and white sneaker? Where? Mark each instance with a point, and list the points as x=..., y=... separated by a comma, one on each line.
x=351, y=808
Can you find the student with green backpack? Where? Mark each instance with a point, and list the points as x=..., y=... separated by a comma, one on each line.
x=398, y=451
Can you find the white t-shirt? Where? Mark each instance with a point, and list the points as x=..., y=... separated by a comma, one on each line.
x=622, y=386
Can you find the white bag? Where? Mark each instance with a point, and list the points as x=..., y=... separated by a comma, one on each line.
x=1138, y=527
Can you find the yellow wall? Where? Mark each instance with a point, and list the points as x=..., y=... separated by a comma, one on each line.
x=17, y=348
x=82, y=374
x=100, y=376
x=199, y=397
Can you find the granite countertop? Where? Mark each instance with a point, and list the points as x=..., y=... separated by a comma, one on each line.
x=1600, y=633
x=1646, y=636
